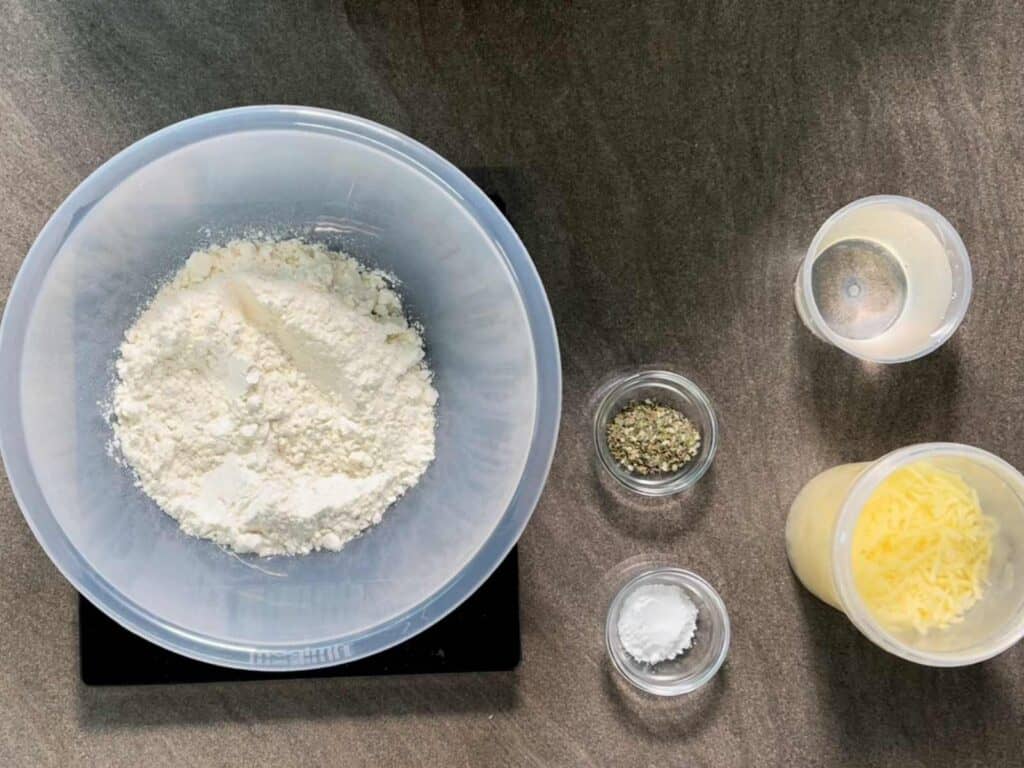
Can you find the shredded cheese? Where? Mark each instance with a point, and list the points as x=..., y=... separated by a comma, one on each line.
x=921, y=549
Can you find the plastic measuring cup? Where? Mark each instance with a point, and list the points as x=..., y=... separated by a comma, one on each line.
x=892, y=266
x=819, y=536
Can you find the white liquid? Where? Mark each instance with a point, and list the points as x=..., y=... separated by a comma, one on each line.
x=910, y=298
x=859, y=287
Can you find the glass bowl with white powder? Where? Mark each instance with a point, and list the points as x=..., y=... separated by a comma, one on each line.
x=667, y=631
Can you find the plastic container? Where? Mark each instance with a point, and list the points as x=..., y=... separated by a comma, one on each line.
x=696, y=666
x=669, y=389
x=355, y=185
x=929, y=258
x=819, y=535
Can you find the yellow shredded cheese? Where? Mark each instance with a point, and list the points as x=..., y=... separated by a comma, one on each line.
x=921, y=549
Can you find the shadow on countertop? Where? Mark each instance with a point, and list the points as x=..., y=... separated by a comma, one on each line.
x=884, y=708
x=653, y=519
x=355, y=698
x=867, y=406
x=677, y=718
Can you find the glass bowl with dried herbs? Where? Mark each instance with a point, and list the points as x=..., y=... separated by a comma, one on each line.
x=655, y=432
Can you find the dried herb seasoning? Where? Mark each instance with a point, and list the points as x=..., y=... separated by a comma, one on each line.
x=648, y=438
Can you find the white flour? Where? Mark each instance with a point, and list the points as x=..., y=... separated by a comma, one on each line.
x=273, y=398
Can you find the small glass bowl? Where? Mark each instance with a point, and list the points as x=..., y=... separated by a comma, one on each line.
x=696, y=666
x=669, y=389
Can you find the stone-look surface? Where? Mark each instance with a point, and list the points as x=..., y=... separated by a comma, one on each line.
x=666, y=164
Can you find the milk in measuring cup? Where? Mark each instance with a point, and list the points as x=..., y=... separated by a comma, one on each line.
x=886, y=279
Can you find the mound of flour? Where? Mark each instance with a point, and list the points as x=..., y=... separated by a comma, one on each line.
x=273, y=398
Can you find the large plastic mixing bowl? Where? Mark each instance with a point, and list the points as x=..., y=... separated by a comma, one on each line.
x=327, y=177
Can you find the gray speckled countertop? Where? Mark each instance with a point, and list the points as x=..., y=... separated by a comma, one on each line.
x=666, y=164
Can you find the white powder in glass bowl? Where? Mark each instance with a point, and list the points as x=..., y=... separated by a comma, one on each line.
x=657, y=622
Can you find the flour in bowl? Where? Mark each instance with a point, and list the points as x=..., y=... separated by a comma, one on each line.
x=273, y=398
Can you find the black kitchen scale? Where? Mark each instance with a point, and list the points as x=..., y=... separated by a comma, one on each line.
x=481, y=635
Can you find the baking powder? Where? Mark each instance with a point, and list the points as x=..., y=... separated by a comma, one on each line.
x=657, y=622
